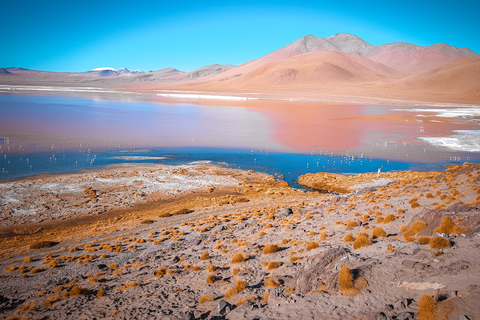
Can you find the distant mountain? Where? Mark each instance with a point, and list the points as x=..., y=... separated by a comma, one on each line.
x=107, y=71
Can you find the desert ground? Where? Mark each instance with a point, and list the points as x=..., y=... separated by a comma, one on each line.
x=202, y=241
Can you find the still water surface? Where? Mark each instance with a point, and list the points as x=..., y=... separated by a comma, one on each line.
x=51, y=134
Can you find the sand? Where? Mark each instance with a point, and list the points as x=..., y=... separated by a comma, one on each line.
x=147, y=263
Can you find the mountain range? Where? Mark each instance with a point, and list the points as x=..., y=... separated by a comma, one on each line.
x=338, y=65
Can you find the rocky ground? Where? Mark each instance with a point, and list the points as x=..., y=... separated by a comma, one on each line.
x=241, y=245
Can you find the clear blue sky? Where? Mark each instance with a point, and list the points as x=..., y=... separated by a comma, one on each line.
x=78, y=35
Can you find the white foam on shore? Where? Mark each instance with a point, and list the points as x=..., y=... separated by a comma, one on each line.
x=203, y=96
x=451, y=112
x=461, y=140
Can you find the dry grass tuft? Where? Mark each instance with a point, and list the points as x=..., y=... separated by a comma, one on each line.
x=400, y=211
x=43, y=244
x=378, y=232
x=423, y=240
x=345, y=282
x=27, y=260
x=361, y=241
x=100, y=293
x=415, y=228
x=439, y=242
x=239, y=287
x=389, y=218
x=237, y=258
x=348, y=238
x=312, y=245
x=160, y=272
x=243, y=300
x=266, y=296
x=294, y=258
x=212, y=278
x=76, y=290
x=205, y=256
x=113, y=266
x=390, y=248
x=351, y=224
x=448, y=227
x=426, y=308
x=272, y=283
x=270, y=248
x=273, y=265
x=204, y=299
x=323, y=236
x=130, y=285
x=211, y=268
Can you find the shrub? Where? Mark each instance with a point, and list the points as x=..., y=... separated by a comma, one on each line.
x=272, y=283
x=43, y=244
x=160, y=272
x=426, y=307
x=237, y=258
x=211, y=268
x=448, y=227
x=390, y=248
x=400, y=211
x=439, y=242
x=415, y=205
x=100, y=293
x=311, y=234
x=273, y=265
x=205, y=256
x=403, y=228
x=312, y=245
x=27, y=260
x=50, y=300
x=415, y=228
x=380, y=220
x=243, y=300
x=130, y=285
x=423, y=240
x=270, y=248
x=348, y=238
x=378, y=232
x=113, y=266
x=204, y=299
x=323, y=236
x=361, y=241
x=235, y=271
x=351, y=224
x=294, y=258
x=345, y=282
x=76, y=290
x=389, y=218
x=212, y=278
x=239, y=287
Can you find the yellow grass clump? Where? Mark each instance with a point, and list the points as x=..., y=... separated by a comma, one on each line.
x=345, y=282
x=27, y=260
x=390, y=248
x=348, y=238
x=423, y=240
x=211, y=268
x=212, y=278
x=113, y=266
x=76, y=290
x=415, y=228
x=273, y=265
x=361, y=241
x=243, y=300
x=351, y=224
x=448, y=227
x=400, y=211
x=426, y=308
x=294, y=258
x=439, y=242
x=237, y=258
x=130, y=285
x=379, y=219
x=204, y=299
x=312, y=245
x=389, y=218
x=272, y=283
x=239, y=287
x=323, y=236
x=270, y=248
x=160, y=272
x=378, y=232
x=205, y=256
x=100, y=293
x=48, y=302
x=266, y=296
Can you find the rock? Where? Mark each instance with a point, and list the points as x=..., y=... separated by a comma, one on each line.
x=321, y=268
x=276, y=296
x=284, y=212
x=405, y=316
x=176, y=259
x=464, y=317
x=223, y=308
x=380, y=316
x=189, y=315
x=102, y=266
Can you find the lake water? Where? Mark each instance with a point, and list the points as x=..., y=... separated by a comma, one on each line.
x=51, y=134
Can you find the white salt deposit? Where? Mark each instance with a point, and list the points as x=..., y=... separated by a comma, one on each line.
x=461, y=140
x=203, y=96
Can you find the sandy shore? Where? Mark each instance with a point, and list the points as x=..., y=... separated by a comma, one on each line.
x=231, y=244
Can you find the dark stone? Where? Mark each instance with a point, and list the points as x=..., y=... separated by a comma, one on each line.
x=405, y=316
x=223, y=308
x=102, y=266
x=381, y=316
x=176, y=259
x=189, y=315
x=284, y=212
x=464, y=317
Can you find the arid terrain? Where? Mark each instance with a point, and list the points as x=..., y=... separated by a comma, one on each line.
x=132, y=242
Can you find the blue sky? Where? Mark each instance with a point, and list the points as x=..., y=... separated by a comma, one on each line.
x=74, y=35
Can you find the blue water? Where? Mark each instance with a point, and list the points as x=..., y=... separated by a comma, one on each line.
x=290, y=166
